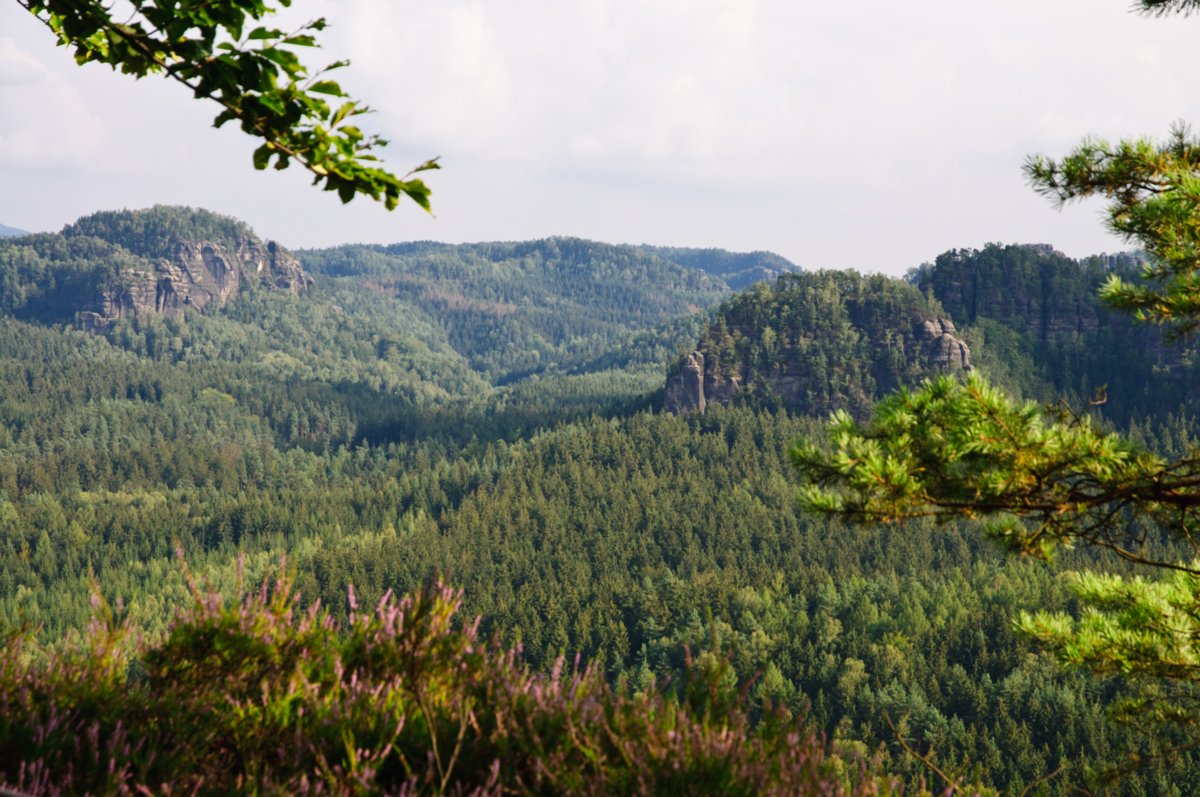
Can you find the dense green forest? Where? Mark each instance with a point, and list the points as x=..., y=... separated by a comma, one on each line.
x=491, y=415
x=815, y=343
x=1044, y=334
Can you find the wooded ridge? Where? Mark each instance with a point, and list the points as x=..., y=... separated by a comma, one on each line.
x=492, y=415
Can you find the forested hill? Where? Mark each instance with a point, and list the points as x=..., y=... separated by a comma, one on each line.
x=390, y=336
x=561, y=304
x=558, y=308
x=1038, y=328
x=483, y=414
x=8, y=232
x=1026, y=315
x=814, y=343
x=156, y=232
x=737, y=269
x=119, y=264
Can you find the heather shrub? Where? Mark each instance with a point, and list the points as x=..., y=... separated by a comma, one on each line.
x=260, y=696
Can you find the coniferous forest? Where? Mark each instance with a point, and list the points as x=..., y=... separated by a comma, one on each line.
x=397, y=440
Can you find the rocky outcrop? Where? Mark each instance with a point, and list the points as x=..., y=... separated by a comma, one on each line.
x=721, y=387
x=699, y=380
x=685, y=388
x=200, y=275
x=943, y=348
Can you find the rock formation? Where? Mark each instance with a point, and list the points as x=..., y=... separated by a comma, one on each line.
x=685, y=388
x=200, y=275
x=944, y=349
x=699, y=382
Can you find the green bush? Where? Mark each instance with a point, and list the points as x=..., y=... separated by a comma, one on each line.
x=261, y=696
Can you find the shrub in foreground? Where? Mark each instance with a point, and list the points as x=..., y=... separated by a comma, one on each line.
x=260, y=696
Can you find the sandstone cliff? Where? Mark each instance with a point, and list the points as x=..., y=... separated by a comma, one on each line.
x=199, y=274
x=945, y=350
x=815, y=343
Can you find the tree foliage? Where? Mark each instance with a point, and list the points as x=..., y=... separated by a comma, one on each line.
x=221, y=52
x=1154, y=191
x=388, y=427
x=964, y=449
x=1044, y=479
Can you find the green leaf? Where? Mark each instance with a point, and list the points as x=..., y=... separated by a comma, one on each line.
x=262, y=156
x=272, y=101
x=200, y=44
x=345, y=110
x=327, y=87
x=261, y=34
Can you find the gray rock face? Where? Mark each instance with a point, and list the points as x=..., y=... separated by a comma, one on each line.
x=200, y=275
x=942, y=346
x=698, y=383
x=721, y=388
x=693, y=387
x=685, y=389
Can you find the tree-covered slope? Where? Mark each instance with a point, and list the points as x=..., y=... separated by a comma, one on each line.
x=361, y=430
x=813, y=343
x=1026, y=315
x=154, y=232
x=499, y=327
x=8, y=232
x=513, y=309
x=738, y=270
x=160, y=261
x=1041, y=331
x=594, y=319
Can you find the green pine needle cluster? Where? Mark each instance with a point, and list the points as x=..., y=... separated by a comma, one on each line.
x=1154, y=191
x=964, y=449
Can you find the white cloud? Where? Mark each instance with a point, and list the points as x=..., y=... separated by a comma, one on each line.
x=435, y=71
x=44, y=121
x=873, y=134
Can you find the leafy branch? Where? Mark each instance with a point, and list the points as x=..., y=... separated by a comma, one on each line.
x=254, y=74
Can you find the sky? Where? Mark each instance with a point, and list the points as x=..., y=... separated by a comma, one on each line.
x=871, y=135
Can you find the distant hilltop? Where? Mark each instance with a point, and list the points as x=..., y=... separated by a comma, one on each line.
x=10, y=232
x=816, y=342
x=115, y=264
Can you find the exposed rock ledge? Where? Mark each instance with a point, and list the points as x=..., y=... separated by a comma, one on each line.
x=200, y=275
x=696, y=385
x=945, y=350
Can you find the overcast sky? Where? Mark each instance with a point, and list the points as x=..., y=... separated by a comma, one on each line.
x=870, y=134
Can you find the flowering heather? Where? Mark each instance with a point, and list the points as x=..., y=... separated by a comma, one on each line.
x=260, y=696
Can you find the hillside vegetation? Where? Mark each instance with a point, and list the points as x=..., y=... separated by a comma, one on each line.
x=489, y=415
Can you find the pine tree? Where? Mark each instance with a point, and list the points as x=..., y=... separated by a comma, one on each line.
x=1046, y=479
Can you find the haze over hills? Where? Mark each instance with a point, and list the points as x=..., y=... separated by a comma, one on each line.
x=493, y=414
x=9, y=232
